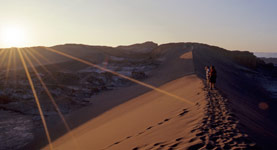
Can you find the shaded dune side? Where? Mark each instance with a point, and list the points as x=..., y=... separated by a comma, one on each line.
x=237, y=81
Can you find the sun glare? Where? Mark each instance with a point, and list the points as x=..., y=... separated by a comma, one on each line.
x=13, y=36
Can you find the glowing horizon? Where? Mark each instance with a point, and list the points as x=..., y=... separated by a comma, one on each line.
x=234, y=25
x=13, y=36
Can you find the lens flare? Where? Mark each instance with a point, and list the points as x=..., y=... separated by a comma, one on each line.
x=36, y=98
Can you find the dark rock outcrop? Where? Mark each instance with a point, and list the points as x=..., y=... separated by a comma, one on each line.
x=138, y=75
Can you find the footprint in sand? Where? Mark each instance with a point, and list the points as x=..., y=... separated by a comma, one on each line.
x=173, y=146
x=218, y=129
x=160, y=123
x=183, y=113
x=196, y=146
x=165, y=120
x=179, y=139
x=150, y=127
x=156, y=144
x=116, y=143
x=140, y=133
x=169, y=145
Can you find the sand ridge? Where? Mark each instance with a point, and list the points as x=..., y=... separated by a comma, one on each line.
x=219, y=127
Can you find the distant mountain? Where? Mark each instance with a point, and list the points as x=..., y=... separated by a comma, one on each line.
x=265, y=54
x=95, y=54
x=267, y=57
x=139, y=48
x=270, y=60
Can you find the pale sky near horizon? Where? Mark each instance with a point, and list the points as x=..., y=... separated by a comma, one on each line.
x=232, y=24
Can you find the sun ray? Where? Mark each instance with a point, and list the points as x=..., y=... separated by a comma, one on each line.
x=14, y=67
x=2, y=51
x=5, y=53
x=8, y=66
x=40, y=64
x=36, y=98
x=51, y=98
x=40, y=55
x=34, y=52
x=120, y=75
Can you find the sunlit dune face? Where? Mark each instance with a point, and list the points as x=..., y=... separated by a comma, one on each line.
x=12, y=36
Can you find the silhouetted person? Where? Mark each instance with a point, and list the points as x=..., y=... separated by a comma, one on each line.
x=207, y=69
x=212, y=77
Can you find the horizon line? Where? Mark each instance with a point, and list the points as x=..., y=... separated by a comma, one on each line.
x=132, y=44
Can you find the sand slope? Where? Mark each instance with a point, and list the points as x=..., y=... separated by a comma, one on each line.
x=144, y=121
x=157, y=121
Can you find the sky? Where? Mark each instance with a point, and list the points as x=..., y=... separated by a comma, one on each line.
x=232, y=24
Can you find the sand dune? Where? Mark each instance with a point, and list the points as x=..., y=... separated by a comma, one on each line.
x=157, y=121
x=153, y=120
x=137, y=117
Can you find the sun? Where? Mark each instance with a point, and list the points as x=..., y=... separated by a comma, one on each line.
x=13, y=36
